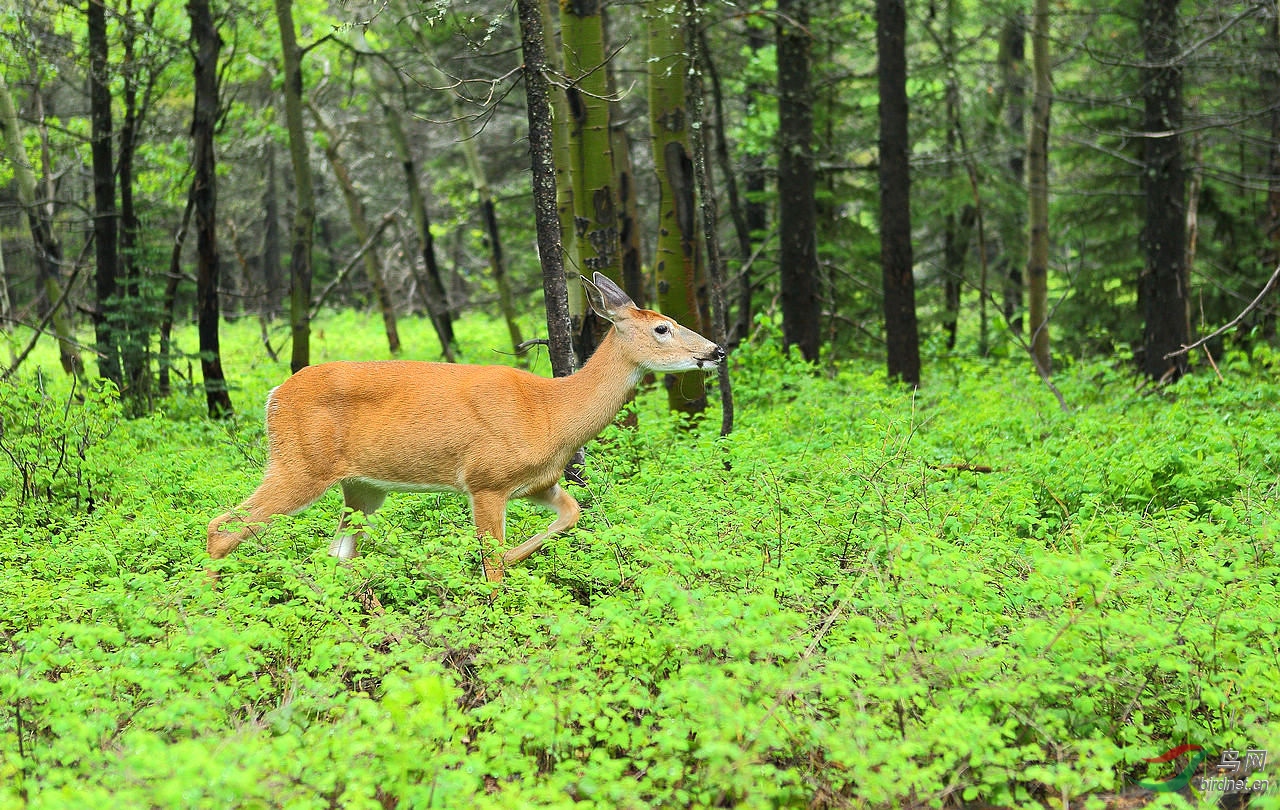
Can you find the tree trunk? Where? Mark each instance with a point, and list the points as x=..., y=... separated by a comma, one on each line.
x=533, y=45
x=105, y=315
x=433, y=290
x=901, y=330
x=134, y=327
x=48, y=251
x=1162, y=289
x=677, y=257
x=754, y=179
x=204, y=195
x=489, y=215
x=304, y=216
x=271, y=267
x=590, y=153
x=171, y=295
x=707, y=198
x=360, y=225
x=1038, y=191
x=737, y=213
x=1012, y=59
x=1271, y=251
x=797, y=208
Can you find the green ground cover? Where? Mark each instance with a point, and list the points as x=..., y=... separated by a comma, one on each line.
x=958, y=596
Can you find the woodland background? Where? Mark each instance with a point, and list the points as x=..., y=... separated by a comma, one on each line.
x=163, y=153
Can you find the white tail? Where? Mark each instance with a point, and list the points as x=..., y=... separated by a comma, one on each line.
x=493, y=432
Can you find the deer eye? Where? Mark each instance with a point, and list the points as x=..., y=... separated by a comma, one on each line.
x=661, y=329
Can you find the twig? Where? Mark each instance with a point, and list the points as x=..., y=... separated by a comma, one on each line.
x=1271, y=283
x=359, y=254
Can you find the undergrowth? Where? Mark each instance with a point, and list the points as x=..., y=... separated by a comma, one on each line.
x=864, y=597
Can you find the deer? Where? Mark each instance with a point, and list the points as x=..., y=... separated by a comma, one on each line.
x=494, y=433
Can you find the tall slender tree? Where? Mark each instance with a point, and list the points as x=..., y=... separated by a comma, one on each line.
x=1163, y=284
x=1012, y=58
x=797, y=210
x=206, y=44
x=538, y=99
x=901, y=328
x=1038, y=190
x=48, y=250
x=304, y=214
x=105, y=213
x=360, y=226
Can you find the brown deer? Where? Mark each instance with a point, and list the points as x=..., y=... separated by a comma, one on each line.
x=493, y=432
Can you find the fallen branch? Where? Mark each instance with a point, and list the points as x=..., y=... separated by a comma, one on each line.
x=973, y=468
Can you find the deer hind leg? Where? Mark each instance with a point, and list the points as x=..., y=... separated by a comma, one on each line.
x=567, y=512
x=357, y=497
x=279, y=494
x=489, y=509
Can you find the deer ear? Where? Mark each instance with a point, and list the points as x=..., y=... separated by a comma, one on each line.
x=606, y=298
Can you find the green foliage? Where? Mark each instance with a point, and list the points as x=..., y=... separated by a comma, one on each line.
x=49, y=442
x=865, y=596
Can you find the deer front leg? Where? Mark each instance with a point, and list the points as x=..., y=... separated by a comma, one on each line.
x=567, y=512
x=489, y=510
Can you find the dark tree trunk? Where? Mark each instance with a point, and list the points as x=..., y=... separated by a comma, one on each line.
x=205, y=198
x=1038, y=191
x=737, y=213
x=901, y=330
x=104, y=198
x=134, y=328
x=707, y=200
x=546, y=213
x=1163, y=285
x=797, y=209
x=1013, y=72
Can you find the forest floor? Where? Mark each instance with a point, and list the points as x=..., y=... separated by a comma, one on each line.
x=864, y=597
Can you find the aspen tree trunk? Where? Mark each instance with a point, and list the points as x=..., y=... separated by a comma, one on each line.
x=901, y=330
x=48, y=252
x=559, y=99
x=1038, y=191
x=590, y=153
x=304, y=216
x=360, y=225
x=204, y=195
x=533, y=46
x=677, y=257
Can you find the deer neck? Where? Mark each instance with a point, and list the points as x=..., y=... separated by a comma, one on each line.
x=593, y=396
